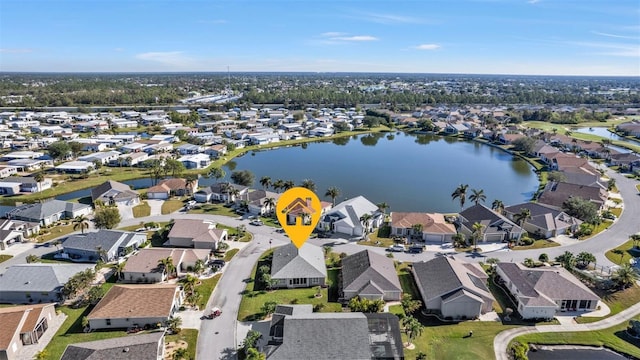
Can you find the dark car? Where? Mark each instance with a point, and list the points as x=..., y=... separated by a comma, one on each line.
x=217, y=262
x=415, y=249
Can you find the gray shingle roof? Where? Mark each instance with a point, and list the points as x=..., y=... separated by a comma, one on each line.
x=291, y=262
x=133, y=347
x=45, y=209
x=39, y=277
x=365, y=267
x=104, y=239
x=113, y=189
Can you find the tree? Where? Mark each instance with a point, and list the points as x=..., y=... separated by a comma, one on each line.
x=106, y=218
x=332, y=192
x=477, y=234
x=556, y=176
x=543, y=258
x=174, y=167
x=254, y=354
x=625, y=276
x=611, y=184
x=270, y=203
x=383, y=206
x=289, y=184
x=250, y=341
x=365, y=219
x=95, y=294
x=583, y=259
x=582, y=209
x=567, y=259
x=265, y=181
x=80, y=222
x=412, y=327
x=521, y=218
x=524, y=144
x=461, y=194
x=190, y=182
x=59, y=150
x=167, y=265
x=477, y=196
x=31, y=258
x=497, y=206
x=242, y=177
x=199, y=266
x=308, y=184
x=459, y=240
x=528, y=262
x=38, y=178
x=216, y=173
x=174, y=324
x=619, y=252
x=269, y=307
x=189, y=282
x=409, y=304
x=278, y=185
x=119, y=269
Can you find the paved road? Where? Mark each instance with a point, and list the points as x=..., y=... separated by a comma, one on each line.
x=501, y=341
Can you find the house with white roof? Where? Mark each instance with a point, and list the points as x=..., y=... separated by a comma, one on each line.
x=195, y=161
x=345, y=217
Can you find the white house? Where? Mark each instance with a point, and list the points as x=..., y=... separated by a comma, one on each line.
x=345, y=218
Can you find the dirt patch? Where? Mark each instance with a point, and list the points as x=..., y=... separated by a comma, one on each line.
x=172, y=347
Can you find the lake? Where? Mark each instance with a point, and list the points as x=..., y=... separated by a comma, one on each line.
x=409, y=172
x=574, y=353
x=605, y=133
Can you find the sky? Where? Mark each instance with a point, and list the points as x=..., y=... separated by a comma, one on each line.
x=532, y=37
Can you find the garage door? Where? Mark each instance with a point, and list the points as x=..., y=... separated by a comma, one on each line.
x=344, y=230
x=433, y=237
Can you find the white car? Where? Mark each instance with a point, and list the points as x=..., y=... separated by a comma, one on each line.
x=396, y=248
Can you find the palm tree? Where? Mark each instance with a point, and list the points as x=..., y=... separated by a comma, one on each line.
x=278, y=185
x=461, y=194
x=383, y=206
x=119, y=268
x=167, y=265
x=520, y=218
x=189, y=283
x=625, y=276
x=477, y=196
x=233, y=194
x=477, y=234
x=265, y=181
x=190, y=182
x=289, y=184
x=365, y=219
x=198, y=267
x=80, y=222
x=459, y=240
x=416, y=229
x=333, y=192
x=412, y=327
x=270, y=203
x=497, y=206
x=308, y=184
x=38, y=177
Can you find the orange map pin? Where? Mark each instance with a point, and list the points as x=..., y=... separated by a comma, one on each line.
x=298, y=211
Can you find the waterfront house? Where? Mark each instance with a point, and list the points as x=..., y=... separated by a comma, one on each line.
x=545, y=221
x=76, y=167
x=556, y=193
x=112, y=192
x=105, y=245
x=49, y=212
x=433, y=226
x=195, y=161
x=171, y=187
x=345, y=217
x=496, y=226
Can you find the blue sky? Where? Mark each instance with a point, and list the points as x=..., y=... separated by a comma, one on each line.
x=546, y=37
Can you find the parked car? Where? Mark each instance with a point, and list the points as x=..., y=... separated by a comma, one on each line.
x=217, y=262
x=396, y=248
x=416, y=249
x=256, y=222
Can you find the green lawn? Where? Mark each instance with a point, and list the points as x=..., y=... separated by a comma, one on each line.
x=626, y=253
x=230, y=254
x=171, y=206
x=5, y=257
x=141, y=210
x=253, y=299
x=598, y=229
x=205, y=289
x=638, y=187
x=55, y=232
x=190, y=336
x=380, y=237
x=613, y=338
x=538, y=244
x=615, y=300
x=616, y=211
x=214, y=209
x=71, y=332
x=231, y=231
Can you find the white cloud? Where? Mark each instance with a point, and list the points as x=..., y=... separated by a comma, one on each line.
x=355, y=38
x=615, y=35
x=611, y=49
x=391, y=19
x=15, y=51
x=170, y=58
x=427, y=47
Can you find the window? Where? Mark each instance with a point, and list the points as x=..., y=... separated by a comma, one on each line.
x=108, y=322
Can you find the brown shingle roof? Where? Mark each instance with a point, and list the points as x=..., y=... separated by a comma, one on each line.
x=10, y=318
x=431, y=223
x=125, y=301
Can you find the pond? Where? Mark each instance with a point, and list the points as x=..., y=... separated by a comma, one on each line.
x=605, y=133
x=574, y=353
x=408, y=172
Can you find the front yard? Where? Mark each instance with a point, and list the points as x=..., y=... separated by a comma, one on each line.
x=188, y=336
x=616, y=300
x=205, y=289
x=171, y=206
x=55, y=232
x=213, y=209
x=141, y=210
x=255, y=295
x=380, y=237
x=538, y=244
x=626, y=255
x=5, y=257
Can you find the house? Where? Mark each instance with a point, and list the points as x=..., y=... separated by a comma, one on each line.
x=545, y=221
x=496, y=226
x=292, y=267
x=6, y=171
x=143, y=266
x=556, y=193
x=133, y=347
x=433, y=227
x=345, y=217
x=216, y=151
x=196, y=161
x=101, y=157
x=199, y=234
x=222, y=191
x=543, y=292
x=112, y=192
x=12, y=231
x=23, y=326
x=454, y=288
x=125, y=306
x=453, y=128
x=370, y=275
x=75, y=167
x=37, y=282
x=188, y=149
x=171, y=187
x=49, y=212
x=259, y=203
x=27, y=184
x=132, y=159
x=625, y=160
x=296, y=330
x=105, y=245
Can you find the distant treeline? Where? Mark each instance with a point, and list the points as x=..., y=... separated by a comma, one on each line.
x=400, y=92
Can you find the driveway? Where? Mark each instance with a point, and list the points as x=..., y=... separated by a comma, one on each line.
x=126, y=212
x=156, y=206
